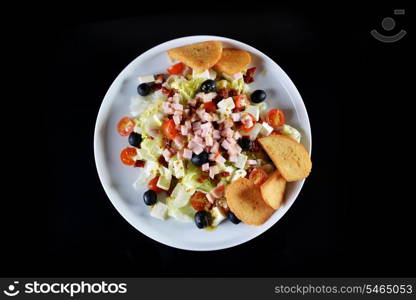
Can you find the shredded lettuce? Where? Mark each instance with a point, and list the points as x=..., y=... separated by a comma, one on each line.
x=238, y=85
x=187, y=88
x=150, y=149
x=181, y=195
x=190, y=180
x=291, y=132
x=150, y=118
x=183, y=214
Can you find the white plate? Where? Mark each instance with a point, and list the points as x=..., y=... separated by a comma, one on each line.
x=117, y=179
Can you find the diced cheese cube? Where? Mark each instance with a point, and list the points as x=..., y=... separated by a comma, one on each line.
x=254, y=110
x=255, y=131
x=217, y=216
x=228, y=77
x=204, y=74
x=180, y=196
x=146, y=79
x=291, y=132
x=239, y=174
x=226, y=106
x=164, y=178
x=212, y=74
x=241, y=161
x=266, y=129
x=157, y=120
x=159, y=211
x=178, y=168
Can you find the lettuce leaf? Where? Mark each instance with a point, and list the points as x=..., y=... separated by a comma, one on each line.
x=190, y=180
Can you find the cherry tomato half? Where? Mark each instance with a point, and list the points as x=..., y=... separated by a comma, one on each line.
x=127, y=155
x=176, y=68
x=210, y=106
x=248, y=129
x=241, y=102
x=258, y=176
x=275, y=118
x=199, y=201
x=152, y=185
x=125, y=126
x=169, y=130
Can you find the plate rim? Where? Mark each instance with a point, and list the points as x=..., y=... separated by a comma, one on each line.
x=106, y=105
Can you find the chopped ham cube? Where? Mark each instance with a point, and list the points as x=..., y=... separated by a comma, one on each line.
x=237, y=76
x=228, y=132
x=236, y=117
x=216, y=134
x=187, y=153
x=232, y=158
x=205, y=167
x=192, y=102
x=184, y=130
x=196, y=125
x=194, y=118
x=228, y=123
x=180, y=154
x=209, y=197
x=177, y=119
x=220, y=159
x=206, y=125
x=225, y=144
x=215, y=147
x=178, y=140
x=213, y=171
x=236, y=135
x=188, y=124
x=186, y=111
x=176, y=98
x=197, y=139
x=206, y=117
x=166, y=154
x=200, y=113
x=211, y=157
x=215, y=117
x=209, y=141
x=231, y=140
x=178, y=106
x=198, y=149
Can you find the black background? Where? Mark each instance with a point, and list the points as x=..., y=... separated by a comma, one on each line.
x=354, y=216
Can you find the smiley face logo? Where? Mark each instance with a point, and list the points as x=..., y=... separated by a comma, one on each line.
x=11, y=289
x=389, y=24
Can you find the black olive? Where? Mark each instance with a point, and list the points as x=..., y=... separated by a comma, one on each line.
x=244, y=143
x=143, y=89
x=149, y=197
x=135, y=139
x=208, y=86
x=200, y=159
x=258, y=96
x=233, y=218
x=202, y=219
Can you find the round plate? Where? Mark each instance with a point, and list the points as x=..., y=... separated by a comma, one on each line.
x=117, y=179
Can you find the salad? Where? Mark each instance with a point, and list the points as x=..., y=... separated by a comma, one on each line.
x=191, y=134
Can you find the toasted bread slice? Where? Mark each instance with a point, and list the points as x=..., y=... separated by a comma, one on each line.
x=290, y=157
x=199, y=56
x=233, y=61
x=245, y=201
x=273, y=190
